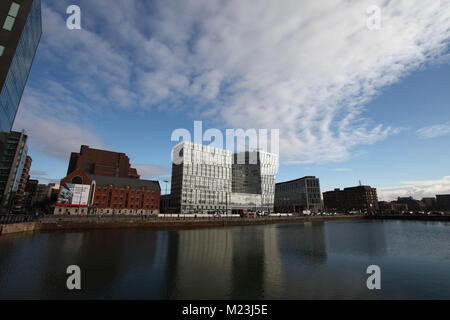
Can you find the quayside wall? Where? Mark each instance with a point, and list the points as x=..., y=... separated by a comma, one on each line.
x=58, y=224
x=156, y=224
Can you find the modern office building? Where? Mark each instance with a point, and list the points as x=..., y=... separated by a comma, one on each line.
x=110, y=195
x=201, y=179
x=253, y=181
x=212, y=180
x=12, y=161
x=362, y=198
x=298, y=195
x=101, y=162
x=20, y=33
x=443, y=201
x=19, y=201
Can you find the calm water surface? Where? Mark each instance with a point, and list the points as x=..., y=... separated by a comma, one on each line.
x=320, y=260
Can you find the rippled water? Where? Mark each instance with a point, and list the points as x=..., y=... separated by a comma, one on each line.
x=319, y=260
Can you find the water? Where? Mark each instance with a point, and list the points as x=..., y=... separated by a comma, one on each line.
x=319, y=260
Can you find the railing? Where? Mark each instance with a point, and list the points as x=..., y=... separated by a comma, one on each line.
x=16, y=218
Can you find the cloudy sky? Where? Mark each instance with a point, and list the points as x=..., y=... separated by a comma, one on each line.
x=351, y=102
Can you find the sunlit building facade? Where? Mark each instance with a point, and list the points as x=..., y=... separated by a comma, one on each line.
x=212, y=180
x=201, y=178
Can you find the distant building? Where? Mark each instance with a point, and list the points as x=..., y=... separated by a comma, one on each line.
x=110, y=195
x=45, y=192
x=362, y=198
x=392, y=207
x=168, y=204
x=297, y=195
x=30, y=193
x=430, y=203
x=102, y=163
x=12, y=160
x=20, y=33
x=443, y=201
x=399, y=207
x=413, y=204
x=19, y=202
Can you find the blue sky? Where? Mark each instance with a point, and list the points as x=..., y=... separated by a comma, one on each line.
x=351, y=103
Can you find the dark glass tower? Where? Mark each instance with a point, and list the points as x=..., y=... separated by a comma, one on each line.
x=20, y=33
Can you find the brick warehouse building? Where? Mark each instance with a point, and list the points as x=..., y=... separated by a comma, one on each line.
x=101, y=162
x=114, y=195
x=354, y=198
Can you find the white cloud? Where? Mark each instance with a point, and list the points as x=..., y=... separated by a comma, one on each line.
x=342, y=169
x=416, y=189
x=305, y=67
x=434, y=131
x=55, y=137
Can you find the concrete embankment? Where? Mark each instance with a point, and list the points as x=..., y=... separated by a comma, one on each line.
x=155, y=224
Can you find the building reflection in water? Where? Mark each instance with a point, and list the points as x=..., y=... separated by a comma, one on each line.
x=200, y=263
x=283, y=261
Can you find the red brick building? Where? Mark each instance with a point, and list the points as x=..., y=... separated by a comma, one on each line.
x=101, y=162
x=354, y=198
x=114, y=195
x=392, y=207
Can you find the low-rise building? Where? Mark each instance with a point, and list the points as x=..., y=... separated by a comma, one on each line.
x=362, y=198
x=413, y=204
x=82, y=194
x=430, y=203
x=392, y=207
x=443, y=201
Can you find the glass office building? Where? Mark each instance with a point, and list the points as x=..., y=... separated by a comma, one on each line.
x=254, y=181
x=212, y=180
x=201, y=178
x=297, y=195
x=12, y=161
x=20, y=33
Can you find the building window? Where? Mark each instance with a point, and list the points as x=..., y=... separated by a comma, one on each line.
x=77, y=180
x=11, y=18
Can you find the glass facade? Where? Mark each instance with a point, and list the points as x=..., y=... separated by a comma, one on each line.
x=202, y=182
x=298, y=195
x=212, y=180
x=12, y=89
x=12, y=160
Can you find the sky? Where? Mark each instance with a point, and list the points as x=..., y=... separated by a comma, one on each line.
x=352, y=102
